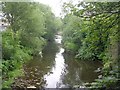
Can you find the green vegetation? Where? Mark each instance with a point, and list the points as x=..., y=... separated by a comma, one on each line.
x=31, y=26
x=91, y=31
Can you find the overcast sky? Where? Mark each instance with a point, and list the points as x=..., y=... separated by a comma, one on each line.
x=55, y=5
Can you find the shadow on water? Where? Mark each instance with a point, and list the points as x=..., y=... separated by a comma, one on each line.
x=55, y=70
x=79, y=72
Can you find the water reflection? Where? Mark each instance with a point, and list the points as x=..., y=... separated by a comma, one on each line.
x=58, y=39
x=53, y=80
x=57, y=69
x=79, y=72
x=36, y=68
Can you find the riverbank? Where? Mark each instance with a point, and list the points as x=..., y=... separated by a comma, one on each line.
x=55, y=70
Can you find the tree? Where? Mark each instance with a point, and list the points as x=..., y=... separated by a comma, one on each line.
x=101, y=37
x=25, y=37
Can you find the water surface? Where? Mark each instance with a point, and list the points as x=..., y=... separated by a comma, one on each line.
x=55, y=70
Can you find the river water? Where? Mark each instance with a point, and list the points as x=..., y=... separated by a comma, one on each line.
x=57, y=70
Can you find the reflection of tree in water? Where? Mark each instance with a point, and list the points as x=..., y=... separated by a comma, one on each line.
x=78, y=72
x=49, y=53
x=73, y=71
x=35, y=69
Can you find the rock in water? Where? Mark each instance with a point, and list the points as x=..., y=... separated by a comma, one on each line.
x=31, y=87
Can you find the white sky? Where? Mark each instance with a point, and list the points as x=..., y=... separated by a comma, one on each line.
x=55, y=5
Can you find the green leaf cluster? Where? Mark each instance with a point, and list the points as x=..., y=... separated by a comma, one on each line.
x=30, y=26
x=95, y=35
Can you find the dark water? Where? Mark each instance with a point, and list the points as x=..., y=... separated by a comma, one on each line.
x=55, y=70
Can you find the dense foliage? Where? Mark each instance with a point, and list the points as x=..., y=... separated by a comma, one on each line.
x=91, y=31
x=31, y=25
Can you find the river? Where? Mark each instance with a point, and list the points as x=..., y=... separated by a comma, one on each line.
x=57, y=70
